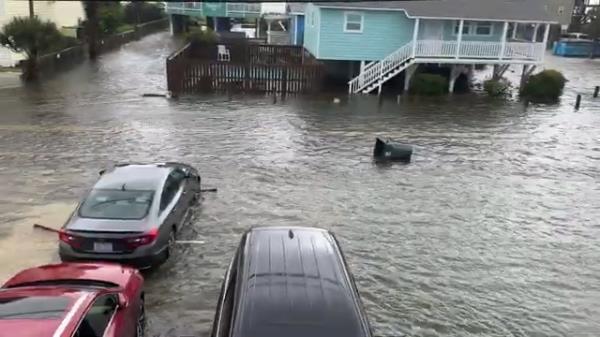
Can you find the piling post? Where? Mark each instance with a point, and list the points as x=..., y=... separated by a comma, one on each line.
x=577, y=102
x=596, y=91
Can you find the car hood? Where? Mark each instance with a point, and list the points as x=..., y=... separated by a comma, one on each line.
x=108, y=225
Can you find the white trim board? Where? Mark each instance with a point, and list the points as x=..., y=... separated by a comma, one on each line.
x=430, y=17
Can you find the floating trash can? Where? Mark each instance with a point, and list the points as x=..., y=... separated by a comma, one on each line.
x=386, y=151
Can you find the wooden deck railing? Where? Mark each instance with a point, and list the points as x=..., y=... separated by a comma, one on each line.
x=251, y=68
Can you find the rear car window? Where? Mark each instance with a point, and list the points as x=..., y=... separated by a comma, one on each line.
x=116, y=204
x=33, y=307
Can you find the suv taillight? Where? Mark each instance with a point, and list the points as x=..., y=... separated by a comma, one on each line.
x=142, y=240
x=69, y=239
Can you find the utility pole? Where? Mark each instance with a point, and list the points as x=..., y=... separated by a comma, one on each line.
x=31, y=14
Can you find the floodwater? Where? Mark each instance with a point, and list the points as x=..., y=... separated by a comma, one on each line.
x=492, y=230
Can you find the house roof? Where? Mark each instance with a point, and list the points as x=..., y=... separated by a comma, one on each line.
x=492, y=10
x=296, y=7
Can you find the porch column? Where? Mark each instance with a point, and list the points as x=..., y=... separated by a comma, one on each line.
x=514, y=31
x=257, y=30
x=415, y=37
x=408, y=73
x=171, y=23
x=459, y=38
x=504, y=32
x=535, y=30
x=454, y=73
x=545, y=41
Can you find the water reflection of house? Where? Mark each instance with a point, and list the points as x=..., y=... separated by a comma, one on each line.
x=65, y=14
x=371, y=43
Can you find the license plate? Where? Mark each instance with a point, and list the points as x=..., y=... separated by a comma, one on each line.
x=103, y=247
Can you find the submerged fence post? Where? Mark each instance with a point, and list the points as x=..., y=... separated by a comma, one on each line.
x=577, y=102
x=596, y=91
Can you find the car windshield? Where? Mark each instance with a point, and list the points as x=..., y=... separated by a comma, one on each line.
x=34, y=307
x=116, y=204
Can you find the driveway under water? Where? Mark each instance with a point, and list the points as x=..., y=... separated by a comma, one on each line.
x=492, y=230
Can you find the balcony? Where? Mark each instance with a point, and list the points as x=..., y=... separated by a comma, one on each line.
x=528, y=52
x=217, y=9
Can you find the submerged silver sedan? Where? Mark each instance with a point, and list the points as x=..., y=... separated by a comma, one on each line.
x=132, y=214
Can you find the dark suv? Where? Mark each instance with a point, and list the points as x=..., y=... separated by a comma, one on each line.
x=131, y=215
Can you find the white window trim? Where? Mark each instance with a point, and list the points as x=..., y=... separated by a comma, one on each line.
x=362, y=22
x=472, y=28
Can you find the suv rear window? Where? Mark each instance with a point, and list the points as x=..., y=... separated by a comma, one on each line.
x=33, y=307
x=116, y=204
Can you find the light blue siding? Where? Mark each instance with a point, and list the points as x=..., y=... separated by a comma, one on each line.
x=382, y=33
x=311, y=28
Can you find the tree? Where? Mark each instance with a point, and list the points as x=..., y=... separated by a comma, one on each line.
x=110, y=17
x=91, y=27
x=137, y=12
x=592, y=26
x=30, y=36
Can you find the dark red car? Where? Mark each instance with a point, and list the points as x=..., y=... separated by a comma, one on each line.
x=73, y=300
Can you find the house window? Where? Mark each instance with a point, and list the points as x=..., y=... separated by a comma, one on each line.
x=465, y=28
x=474, y=28
x=353, y=22
x=483, y=28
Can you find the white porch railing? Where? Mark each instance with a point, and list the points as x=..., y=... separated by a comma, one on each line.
x=230, y=8
x=444, y=52
x=243, y=8
x=480, y=50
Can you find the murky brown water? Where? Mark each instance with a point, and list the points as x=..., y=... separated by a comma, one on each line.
x=492, y=230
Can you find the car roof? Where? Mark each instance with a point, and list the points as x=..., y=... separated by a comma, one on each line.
x=61, y=325
x=110, y=273
x=293, y=282
x=134, y=177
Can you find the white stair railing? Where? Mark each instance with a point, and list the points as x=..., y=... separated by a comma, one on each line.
x=444, y=51
x=376, y=70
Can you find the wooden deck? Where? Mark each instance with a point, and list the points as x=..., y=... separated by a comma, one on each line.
x=251, y=68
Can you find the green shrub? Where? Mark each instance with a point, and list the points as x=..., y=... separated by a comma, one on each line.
x=497, y=88
x=546, y=86
x=201, y=37
x=146, y=11
x=111, y=17
x=428, y=85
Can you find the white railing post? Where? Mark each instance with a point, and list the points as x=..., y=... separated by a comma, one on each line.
x=459, y=38
x=535, y=32
x=514, y=31
x=415, y=36
x=504, y=32
x=545, y=42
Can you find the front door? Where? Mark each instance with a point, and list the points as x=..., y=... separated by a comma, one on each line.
x=433, y=34
x=433, y=30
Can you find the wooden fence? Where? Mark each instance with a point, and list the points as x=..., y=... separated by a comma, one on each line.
x=71, y=56
x=251, y=68
x=116, y=40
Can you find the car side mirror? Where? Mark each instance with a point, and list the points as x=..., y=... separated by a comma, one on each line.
x=101, y=172
x=122, y=301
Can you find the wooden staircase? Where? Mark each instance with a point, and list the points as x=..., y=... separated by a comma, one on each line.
x=375, y=74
